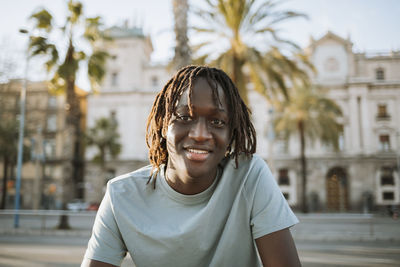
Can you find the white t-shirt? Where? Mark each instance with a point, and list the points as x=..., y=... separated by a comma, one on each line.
x=217, y=227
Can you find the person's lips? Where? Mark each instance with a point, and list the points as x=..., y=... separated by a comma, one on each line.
x=197, y=154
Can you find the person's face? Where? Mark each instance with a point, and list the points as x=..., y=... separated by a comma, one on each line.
x=197, y=144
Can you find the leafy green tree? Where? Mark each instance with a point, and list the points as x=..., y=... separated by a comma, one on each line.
x=62, y=64
x=244, y=38
x=312, y=116
x=182, y=55
x=104, y=136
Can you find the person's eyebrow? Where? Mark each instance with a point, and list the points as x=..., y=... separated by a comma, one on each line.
x=186, y=107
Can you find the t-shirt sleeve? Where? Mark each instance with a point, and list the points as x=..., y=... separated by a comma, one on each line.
x=270, y=211
x=106, y=243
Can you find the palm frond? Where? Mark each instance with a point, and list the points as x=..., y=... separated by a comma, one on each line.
x=96, y=67
x=239, y=22
x=92, y=29
x=42, y=20
x=318, y=113
x=75, y=9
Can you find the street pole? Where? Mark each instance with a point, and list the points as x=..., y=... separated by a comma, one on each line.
x=21, y=138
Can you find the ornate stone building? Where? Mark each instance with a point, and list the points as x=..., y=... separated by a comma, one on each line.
x=362, y=175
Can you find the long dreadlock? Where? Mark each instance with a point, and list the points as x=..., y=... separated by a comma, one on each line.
x=242, y=132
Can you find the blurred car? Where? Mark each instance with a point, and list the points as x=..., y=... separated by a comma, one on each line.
x=77, y=205
x=93, y=206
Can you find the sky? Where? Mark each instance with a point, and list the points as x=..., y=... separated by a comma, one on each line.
x=372, y=25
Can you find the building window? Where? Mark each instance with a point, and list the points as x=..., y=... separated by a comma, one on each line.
x=388, y=196
x=52, y=101
x=286, y=179
x=384, y=142
x=114, y=78
x=382, y=112
x=387, y=184
x=380, y=74
x=387, y=176
x=50, y=148
x=52, y=123
x=154, y=81
x=283, y=177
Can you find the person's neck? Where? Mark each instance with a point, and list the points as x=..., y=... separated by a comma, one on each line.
x=188, y=185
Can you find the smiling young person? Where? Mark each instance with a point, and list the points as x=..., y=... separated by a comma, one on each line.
x=206, y=199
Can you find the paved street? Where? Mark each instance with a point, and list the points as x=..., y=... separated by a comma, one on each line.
x=39, y=251
x=322, y=240
x=349, y=253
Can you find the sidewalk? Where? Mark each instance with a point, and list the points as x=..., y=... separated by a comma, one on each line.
x=346, y=227
x=318, y=227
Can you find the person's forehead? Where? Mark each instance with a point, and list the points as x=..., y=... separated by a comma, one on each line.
x=199, y=90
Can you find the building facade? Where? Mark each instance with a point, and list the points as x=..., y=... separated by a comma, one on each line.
x=362, y=175
x=127, y=92
x=41, y=175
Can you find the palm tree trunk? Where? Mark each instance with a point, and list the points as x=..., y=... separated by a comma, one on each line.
x=303, y=167
x=5, y=179
x=71, y=151
x=238, y=78
x=182, y=55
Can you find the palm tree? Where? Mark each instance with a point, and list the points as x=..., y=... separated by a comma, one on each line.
x=104, y=136
x=63, y=70
x=312, y=116
x=243, y=39
x=182, y=55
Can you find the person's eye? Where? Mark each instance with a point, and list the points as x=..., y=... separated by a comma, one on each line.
x=185, y=118
x=218, y=122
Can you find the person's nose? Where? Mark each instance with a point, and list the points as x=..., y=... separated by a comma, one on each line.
x=200, y=131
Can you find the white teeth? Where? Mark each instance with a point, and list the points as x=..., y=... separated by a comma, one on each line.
x=198, y=151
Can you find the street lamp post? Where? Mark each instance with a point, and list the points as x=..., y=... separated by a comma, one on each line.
x=21, y=138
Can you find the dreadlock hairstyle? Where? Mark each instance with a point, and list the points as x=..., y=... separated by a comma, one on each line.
x=242, y=132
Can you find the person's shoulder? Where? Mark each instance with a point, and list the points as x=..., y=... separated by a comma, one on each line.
x=132, y=177
x=253, y=162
